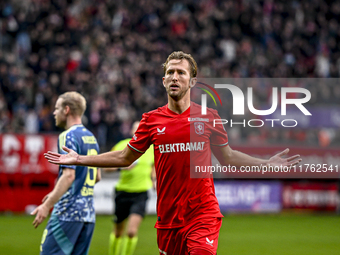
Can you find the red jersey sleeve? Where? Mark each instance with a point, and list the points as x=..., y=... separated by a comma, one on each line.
x=140, y=142
x=219, y=136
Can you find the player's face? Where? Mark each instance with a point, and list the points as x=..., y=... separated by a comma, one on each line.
x=59, y=114
x=177, y=78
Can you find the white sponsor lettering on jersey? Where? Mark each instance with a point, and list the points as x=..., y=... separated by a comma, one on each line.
x=179, y=147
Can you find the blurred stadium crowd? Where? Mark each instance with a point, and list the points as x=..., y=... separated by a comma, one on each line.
x=112, y=50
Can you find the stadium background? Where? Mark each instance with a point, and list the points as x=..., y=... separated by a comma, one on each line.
x=112, y=51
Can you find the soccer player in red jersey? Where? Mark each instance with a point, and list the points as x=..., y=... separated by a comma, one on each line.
x=188, y=214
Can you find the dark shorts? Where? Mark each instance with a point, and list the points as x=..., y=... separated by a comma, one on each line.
x=128, y=203
x=64, y=238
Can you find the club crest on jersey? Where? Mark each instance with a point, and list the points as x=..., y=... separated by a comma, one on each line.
x=199, y=128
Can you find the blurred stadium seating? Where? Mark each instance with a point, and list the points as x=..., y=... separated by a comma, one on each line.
x=112, y=51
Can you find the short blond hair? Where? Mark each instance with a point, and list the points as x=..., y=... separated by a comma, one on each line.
x=182, y=55
x=75, y=101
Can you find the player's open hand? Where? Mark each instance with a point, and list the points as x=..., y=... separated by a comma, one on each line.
x=70, y=158
x=41, y=213
x=278, y=159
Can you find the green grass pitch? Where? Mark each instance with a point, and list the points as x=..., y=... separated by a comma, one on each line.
x=281, y=234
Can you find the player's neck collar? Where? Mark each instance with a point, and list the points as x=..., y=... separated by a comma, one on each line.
x=75, y=125
x=171, y=112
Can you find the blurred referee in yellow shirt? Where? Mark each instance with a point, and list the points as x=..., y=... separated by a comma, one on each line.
x=130, y=199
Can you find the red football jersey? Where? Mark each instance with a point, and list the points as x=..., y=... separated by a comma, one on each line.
x=181, y=142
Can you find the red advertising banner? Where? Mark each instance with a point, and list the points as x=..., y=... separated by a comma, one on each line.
x=25, y=153
x=18, y=190
x=311, y=195
x=25, y=175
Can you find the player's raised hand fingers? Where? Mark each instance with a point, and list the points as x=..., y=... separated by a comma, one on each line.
x=54, y=161
x=291, y=162
x=282, y=153
x=294, y=163
x=49, y=156
x=293, y=157
x=67, y=149
x=39, y=219
x=34, y=211
x=52, y=153
x=36, y=222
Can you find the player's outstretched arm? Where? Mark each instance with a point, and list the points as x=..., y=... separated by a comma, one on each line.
x=280, y=159
x=109, y=159
x=226, y=155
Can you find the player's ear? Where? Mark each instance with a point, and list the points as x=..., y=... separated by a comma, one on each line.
x=66, y=109
x=192, y=82
x=163, y=81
